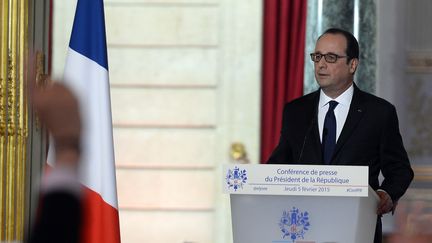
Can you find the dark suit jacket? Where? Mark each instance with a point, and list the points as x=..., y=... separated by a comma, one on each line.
x=369, y=137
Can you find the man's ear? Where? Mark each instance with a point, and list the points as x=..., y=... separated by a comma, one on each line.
x=353, y=65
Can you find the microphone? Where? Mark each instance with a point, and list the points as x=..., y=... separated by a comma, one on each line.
x=305, y=138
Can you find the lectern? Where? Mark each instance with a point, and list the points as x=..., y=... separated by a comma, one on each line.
x=275, y=217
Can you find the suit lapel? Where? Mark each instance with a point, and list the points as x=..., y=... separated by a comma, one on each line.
x=315, y=150
x=316, y=141
x=355, y=114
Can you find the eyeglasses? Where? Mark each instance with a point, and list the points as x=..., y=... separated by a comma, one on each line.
x=329, y=57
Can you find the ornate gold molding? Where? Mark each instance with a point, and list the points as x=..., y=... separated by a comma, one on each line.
x=11, y=94
x=13, y=118
x=238, y=153
x=41, y=78
x=3, y=66
x=4, y=30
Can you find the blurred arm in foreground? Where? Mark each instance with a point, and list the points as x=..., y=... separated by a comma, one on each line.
x=413, y=221
x=59, y=213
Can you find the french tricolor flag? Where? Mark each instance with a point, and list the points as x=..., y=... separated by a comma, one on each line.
x=86, y=73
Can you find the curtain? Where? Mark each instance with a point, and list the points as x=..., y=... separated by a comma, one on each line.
x=283, y=63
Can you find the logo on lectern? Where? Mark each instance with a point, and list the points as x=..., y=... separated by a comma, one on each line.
x=236, y=178
x=294, y=224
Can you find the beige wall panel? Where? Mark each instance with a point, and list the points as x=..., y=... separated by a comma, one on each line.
x=166, y=227
x=107, y=2
x=163, y=66
x=164, y=147
x=166, y=189
x=177, y=25
x=163, y=106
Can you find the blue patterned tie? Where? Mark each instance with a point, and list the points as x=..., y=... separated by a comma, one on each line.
x=329, y=133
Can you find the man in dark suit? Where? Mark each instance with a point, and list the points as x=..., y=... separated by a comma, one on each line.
x=341, y=125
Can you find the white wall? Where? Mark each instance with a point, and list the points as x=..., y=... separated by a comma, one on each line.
x=185, y=84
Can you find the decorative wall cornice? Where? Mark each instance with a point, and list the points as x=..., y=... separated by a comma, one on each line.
x=419, y=61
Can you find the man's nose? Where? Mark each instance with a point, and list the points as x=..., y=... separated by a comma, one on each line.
x=322, y=63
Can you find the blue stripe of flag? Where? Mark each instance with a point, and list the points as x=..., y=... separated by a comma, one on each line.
x=88, y=33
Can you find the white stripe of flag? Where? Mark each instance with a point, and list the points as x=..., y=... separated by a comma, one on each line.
x=86, y=73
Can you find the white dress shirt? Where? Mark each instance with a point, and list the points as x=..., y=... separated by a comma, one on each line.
x=341, y=110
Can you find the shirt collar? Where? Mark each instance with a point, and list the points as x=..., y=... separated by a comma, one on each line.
x=344, y=99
